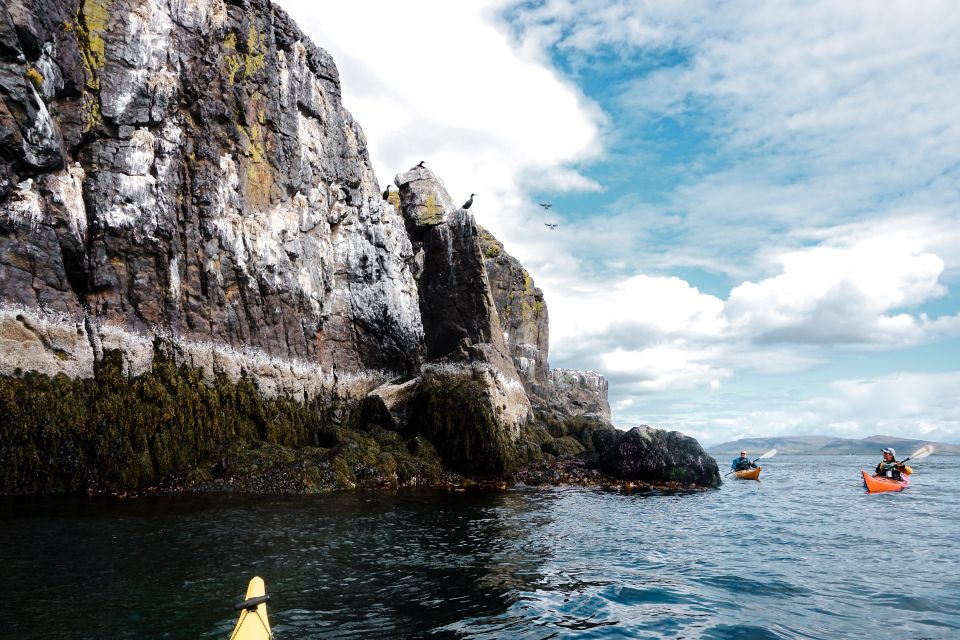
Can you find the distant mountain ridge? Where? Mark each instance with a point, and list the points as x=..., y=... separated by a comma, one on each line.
x=830, y=445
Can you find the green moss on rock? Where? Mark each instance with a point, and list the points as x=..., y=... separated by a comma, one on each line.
x=454, y=411
x=114, y=432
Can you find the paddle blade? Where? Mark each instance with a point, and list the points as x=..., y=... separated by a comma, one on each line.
x=768, y=454
x=923, y=452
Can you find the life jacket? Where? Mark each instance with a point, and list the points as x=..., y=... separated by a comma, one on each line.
x=889, y=470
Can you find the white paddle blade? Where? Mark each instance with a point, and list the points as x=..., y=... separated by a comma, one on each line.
x=923, y=452
x=768, y=454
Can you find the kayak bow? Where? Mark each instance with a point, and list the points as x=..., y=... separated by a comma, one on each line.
x=253, y=623
x=879, y=484
x=749, y=474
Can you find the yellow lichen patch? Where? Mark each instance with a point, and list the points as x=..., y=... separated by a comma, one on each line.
x=35, y=77
x=489, y=245
x=256, y=52
x=233, y=65
x=91, y=23
x=431, y=212
x=88, y=28
x=252, y=61
x=91, y=105
x=394, y=199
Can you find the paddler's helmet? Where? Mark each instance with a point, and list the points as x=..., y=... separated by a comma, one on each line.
x=889, y=450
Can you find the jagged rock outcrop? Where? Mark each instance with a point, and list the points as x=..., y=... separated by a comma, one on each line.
x=573, y=393
x=476, y=402
x=522, y=313
x=523, y=316
x=189, y=166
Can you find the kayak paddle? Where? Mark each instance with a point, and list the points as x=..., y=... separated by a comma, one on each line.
x=768, y=454
x=920, y=453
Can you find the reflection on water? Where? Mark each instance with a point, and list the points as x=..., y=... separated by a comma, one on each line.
x=802, y=554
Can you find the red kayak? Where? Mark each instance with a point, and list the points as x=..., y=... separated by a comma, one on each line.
x=878, y=484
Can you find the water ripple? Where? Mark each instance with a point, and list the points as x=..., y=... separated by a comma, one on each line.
x=794, y=556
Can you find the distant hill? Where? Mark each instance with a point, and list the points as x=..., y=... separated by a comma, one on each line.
x=830, y=445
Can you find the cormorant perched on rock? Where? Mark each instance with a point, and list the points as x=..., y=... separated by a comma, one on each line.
x=386, y=192
x=551, y=225
x=466, y=205
x=420, y=164
x=545, y=205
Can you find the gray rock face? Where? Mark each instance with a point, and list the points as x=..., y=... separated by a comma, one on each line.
x=522, y=313
x=423, y=199
x=188, y=166
x=576, y=393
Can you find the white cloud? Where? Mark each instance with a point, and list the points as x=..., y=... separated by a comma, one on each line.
x=443, y=82
x=921, y=405
x=841, y=294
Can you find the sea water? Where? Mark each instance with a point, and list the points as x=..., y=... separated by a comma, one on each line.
x=804, y=553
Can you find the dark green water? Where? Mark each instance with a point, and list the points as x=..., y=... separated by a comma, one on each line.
x=802, y=554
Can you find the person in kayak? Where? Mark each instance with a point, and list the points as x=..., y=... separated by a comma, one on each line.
x=890, y=468
x=742, y=463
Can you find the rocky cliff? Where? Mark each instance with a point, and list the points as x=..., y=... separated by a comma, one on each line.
x=522, y=312
x=200, y=284
x=189, y=165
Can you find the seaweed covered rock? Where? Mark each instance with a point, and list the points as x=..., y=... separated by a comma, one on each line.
x=354, y=459
x=654, y=455
x=473, y=415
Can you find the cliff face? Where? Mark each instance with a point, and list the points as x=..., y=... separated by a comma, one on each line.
x=189, y=166
x=523, y=316
x=201, y=284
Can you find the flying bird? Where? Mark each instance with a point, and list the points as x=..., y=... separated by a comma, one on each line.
x=468, y=203
x=545, y=205
x=550, y=225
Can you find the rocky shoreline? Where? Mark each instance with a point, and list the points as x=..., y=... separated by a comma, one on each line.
x=202, y=285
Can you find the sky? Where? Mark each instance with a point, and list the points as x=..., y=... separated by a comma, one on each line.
x=758, y=204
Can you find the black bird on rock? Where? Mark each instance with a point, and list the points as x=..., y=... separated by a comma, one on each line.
x=468, y=203
x=386, y=192
x=420, y=165
x=545, y=205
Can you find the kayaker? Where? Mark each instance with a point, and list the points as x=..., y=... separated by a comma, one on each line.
x=890, y=468
x=742, y=463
